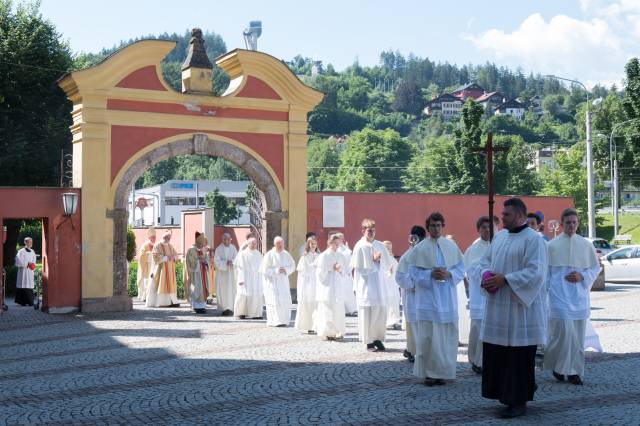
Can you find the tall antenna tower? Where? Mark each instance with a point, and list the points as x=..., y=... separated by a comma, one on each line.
x=251, y=35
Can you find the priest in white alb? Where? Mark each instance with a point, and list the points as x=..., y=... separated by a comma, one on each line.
x=350, y=304
x=369, y=261
x=573, y=267
x=197, y=265
x=276, y=267
x=223, y=257
x=26, y=263
x=330, y=315
x=249, y=291
x=393, y=291
x=436, y=266
x=145, y=265
x=472, y=257
x=306, y=286
x=408, y=288
x=513, y=272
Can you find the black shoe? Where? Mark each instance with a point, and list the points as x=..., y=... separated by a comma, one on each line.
x=378, y=344
x=476, y=369
x=406, y=353
x=428, y=381
x=513, y=411
x=174, y=305
x=242, y=317
x=200, y=311
x=257, y=318
x=559, y=377
x=412, y=358
x=575, y=380
x=371, y=347
x=281, y=325
x=441, y=382
x=311, y=332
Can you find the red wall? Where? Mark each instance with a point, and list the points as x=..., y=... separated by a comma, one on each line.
x=395, y=213
x=62, y=244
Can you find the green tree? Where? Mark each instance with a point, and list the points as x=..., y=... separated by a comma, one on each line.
x=568, y=178
x=131, y=244
x=373, y=160
x=430, y=170
x=408, y=98
x=323, y=160
x=631, y=104
x=224, y=211
x=513, y=173
x=470, y=167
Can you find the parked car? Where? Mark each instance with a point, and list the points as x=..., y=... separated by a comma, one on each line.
x=602, y=246
x=622, y=265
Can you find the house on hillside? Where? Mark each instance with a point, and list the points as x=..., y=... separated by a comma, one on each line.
x=490, y=101
x=446, y=105
x=512, y=107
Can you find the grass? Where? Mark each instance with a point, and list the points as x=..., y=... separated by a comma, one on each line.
x=629, y=224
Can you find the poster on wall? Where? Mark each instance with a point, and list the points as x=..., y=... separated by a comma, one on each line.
x=332, y=211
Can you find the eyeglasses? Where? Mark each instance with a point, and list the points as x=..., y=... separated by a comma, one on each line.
x=436, y=225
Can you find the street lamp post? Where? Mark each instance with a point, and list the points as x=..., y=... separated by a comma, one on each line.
x=590, y=198
x=613, y=153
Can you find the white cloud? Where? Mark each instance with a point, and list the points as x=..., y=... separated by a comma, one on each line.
x=593, y=50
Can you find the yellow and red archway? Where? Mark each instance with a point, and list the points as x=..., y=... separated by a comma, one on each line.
x=126, y=118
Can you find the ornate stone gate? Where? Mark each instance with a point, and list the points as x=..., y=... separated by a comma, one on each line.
x=126, y=119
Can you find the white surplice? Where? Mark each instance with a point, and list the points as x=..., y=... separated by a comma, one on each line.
x=436, y=307
x=569, y=303
x=306, y=291
x=393, y=294
x=515, y=315
x=350, y=304
x=407, y=286
x=472, y=257
x=329, y=318
x=371, y=289
x=145, y=270
x=25, y=274
x=249, y=284
x=225, y=280
x=277, y=293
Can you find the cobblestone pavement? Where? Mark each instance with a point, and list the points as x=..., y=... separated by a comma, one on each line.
x=169, y=366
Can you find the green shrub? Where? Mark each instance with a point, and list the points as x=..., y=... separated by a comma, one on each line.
x=12, y=276
x=33, y=229
x=131, y=244
x=132, y=286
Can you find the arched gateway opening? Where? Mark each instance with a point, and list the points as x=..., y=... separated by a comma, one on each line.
x=192, y=144
x=126, y=119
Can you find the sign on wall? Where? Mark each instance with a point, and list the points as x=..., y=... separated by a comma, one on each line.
x=332, y=211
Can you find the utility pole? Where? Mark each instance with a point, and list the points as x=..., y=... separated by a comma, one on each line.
x=488, y=150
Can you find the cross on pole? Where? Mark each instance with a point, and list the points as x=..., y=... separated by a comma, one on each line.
x=488, y=150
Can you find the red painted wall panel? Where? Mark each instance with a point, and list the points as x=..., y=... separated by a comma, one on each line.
x=62, y=245
x=396, y=213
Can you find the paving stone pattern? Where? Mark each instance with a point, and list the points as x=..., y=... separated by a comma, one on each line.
x=169, y=366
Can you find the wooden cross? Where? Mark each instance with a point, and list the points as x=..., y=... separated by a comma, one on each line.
x=488, y=150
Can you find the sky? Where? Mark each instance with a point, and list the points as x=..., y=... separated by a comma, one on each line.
x=587, y=40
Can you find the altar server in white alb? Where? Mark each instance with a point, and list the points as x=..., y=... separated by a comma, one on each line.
x=306, y=286
x=436, y=266
x=223, y=257
x=370, y=260
x=514, y=270
x=472, y=258
x=26, y=264
x=276, y=267
x=197, y=264
x=329, y=318
x=249, y=298
x=350, y=304
x=403, y=278
x=573, y=267
x=145, y=265
x=393, y=291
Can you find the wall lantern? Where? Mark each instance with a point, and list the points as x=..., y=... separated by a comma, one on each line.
x=70, y=205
